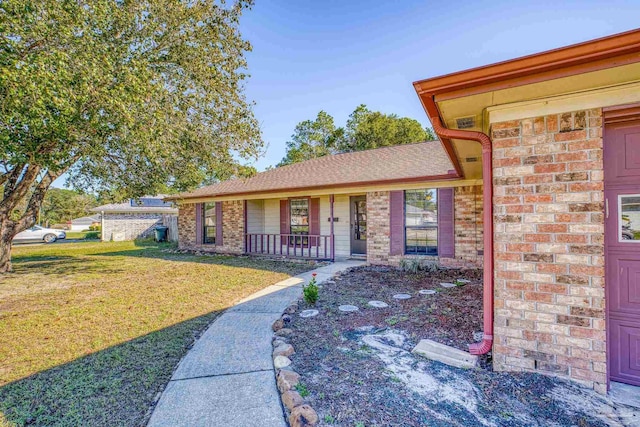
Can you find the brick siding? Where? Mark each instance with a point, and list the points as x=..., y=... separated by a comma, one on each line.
x=232, y=228
x=549, y=246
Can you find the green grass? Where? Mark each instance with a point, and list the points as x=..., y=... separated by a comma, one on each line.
x=90, y=332
x=83, y=234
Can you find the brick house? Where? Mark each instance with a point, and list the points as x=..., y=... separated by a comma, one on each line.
x=536, y=177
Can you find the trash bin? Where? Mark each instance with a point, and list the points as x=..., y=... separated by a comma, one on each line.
x=161, y=233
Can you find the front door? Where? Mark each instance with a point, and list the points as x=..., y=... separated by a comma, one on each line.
x=622, y=243
x=358, y=225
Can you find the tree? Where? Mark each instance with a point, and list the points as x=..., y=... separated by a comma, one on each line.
x=126, y=97
x=367, y=129
x=312, y=139
x=61, y=205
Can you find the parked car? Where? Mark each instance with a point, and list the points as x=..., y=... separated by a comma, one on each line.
x=39, y=234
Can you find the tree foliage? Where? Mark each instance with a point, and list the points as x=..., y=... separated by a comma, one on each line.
x=364, y=130
x=62, y=205
x=126, y=97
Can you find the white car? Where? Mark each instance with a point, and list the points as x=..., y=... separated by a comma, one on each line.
x=39, y=234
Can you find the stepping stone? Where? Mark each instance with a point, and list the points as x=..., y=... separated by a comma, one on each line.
x=308, y=313
x=448, y=285
x=463, y=281
x=348, y=308
x=426, y=292
x=402, y=296
x=378, y=304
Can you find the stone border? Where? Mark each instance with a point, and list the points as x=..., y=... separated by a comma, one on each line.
x=299, y=413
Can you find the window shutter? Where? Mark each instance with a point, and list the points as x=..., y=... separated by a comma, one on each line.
x=219, y=224
x=199, y=227
x=314, y=219
x=396, y=212
x=284, y=220
x=446, y=238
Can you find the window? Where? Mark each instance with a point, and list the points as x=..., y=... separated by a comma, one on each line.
x=299, y=220
x=421, y=222
x=209, y=222
x=629, y=217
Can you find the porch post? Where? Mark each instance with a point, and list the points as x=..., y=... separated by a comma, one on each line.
x=244, y=232
x=332, y=239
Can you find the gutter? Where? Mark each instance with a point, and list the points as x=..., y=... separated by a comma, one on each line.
x=485, y=345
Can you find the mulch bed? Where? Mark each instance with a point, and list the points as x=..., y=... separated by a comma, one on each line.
x=349, y=383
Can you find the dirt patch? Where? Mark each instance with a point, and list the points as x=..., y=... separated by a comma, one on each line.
x=357, y=368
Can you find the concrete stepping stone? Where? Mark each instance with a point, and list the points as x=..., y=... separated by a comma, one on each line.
x=308, y=313
x=426, y=292
x=348, y=308
x=378, y=304
x=402, y=296
x=448, y=285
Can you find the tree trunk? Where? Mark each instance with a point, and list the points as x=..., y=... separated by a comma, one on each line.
x=7, y=232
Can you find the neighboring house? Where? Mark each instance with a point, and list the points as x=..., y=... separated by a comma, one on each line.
x=83, y=223
x=134, y=218
x=539, y=170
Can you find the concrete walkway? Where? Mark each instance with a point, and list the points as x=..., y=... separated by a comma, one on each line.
x=227, y=378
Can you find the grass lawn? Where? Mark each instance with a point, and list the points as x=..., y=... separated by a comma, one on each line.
x=77, y=234
x=91, y=331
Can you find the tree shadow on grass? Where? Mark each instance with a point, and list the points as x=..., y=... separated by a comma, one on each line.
x=59, y=266
x=112, y=387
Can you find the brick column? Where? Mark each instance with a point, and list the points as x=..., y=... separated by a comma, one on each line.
x=549, y=245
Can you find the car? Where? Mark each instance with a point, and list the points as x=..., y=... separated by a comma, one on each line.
x=39, y=234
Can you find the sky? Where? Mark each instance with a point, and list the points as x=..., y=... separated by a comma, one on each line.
x=334, y=55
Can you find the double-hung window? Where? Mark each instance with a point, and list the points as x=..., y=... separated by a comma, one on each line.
x=421, y=222
x=209, y=223
x=299, y=221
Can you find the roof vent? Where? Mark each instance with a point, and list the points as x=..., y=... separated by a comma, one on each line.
x=471, y=159
x=465, y=122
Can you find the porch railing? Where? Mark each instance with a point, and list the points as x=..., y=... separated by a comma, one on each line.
x=289, y=245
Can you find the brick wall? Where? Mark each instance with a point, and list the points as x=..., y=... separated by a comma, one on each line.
x=549, y=245
x=467, y=229
x=125, y=226
x=232, y=228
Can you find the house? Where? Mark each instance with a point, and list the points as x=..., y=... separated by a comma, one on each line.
x=135, y=218
x=83, y=223
x=537, y=178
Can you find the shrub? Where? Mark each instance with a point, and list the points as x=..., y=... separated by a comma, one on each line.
x=310, y=291
x=92, y=235
x=415, y=265
x=94, y=227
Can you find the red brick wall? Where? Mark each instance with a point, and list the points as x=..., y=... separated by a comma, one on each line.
x=232, y=228
x=549, y=244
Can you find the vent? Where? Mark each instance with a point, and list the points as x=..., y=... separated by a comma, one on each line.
x=465, y=122
x=471, y=159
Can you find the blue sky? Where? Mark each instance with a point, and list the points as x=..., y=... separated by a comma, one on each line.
x=334, y=55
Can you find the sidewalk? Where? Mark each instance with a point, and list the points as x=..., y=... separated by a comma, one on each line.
x=227, y=378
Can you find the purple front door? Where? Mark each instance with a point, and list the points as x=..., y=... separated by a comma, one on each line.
x=622, y=242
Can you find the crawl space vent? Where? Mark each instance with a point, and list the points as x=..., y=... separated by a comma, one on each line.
x=465, y=122
x=471, y=159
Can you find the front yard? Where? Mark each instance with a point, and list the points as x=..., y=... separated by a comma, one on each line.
x=91, y=332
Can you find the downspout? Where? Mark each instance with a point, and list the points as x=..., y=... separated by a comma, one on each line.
x=484, y=346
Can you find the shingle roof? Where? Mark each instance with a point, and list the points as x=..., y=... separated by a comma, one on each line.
x=411, y=162
x=127, y=207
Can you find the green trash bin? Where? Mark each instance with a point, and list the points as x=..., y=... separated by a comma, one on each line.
x=161, y=233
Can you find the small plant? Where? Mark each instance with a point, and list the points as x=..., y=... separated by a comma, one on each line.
x=301, y=388
x=359, y=424
x=336, y=333
x=310, y=291
x=410, y=265
x=329, y=419
x=394, y=320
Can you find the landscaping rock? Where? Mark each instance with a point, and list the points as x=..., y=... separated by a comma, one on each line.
x=309, y=313
x=402, y=296
x=378, y=304
x=286, y=319
x=448, y=285
x=278, y=341
x=291, y=399
x=477, y=336
x=302, y=416
x=281, y=362
x=284, y=332
x=287, y=380
x=291, y=309
x=426, y=292
x=277, y=325
x=348, y=308
x=283, y=350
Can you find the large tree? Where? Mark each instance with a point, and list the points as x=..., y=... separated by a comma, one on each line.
x=365, y=129
x=61, y=205
x=125, y=96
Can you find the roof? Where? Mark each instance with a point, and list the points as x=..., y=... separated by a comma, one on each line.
x=422, y=161
x=137, y=206
x=86, y=219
